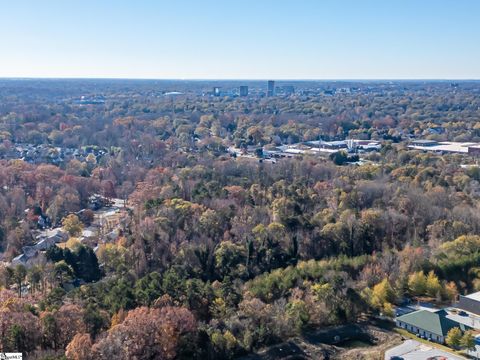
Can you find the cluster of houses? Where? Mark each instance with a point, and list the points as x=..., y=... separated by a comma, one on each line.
x=105, y=211
x=33, y=254
x=434, y=324
x=45, y=153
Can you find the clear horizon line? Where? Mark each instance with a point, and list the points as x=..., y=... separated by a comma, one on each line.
x=227, y=79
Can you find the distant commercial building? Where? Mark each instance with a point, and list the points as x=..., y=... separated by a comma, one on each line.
x=243, y=90
x=349, y=145
x=270, y=88
x=84, y=100
x=289, y=90
x=424, y=143
x=444, y=147
x=216, y=91
x=364, y=145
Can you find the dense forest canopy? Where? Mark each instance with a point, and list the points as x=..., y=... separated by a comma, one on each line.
x=215, y=256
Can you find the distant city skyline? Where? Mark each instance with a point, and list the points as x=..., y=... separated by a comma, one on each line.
x=248, y=40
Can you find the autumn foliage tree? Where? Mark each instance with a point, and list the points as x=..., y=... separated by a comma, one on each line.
x=19, y=327
x=164, y=326
x=72, y=225
x=80, y=348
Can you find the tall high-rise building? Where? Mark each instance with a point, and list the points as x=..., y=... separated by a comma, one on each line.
x=243, y=90
x=270, y=88
x=216, y=91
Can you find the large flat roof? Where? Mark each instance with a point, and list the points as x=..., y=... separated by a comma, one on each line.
x=474, y=296
x=446, y=146
x=470, y=320
x=315, y=149
x=426, y=141
x=414, y=350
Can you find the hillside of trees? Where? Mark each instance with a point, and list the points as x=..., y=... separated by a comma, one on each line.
x=217, y=256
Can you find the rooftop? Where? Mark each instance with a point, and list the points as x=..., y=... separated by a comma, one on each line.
x=335, y=143
x=426, y=141
x=414, y=350
x=474, y=296
x=315, y=149
x=433, y=322
x=447, y=146
x=464, y=317
x=294, y=151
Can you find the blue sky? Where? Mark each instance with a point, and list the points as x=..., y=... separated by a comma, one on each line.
x=241, y=39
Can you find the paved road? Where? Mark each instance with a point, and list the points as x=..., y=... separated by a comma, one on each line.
x=414, y=350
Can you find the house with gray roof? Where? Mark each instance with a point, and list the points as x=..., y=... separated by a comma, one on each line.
x=19, y=260
x=45, y=244
x=432, y=325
